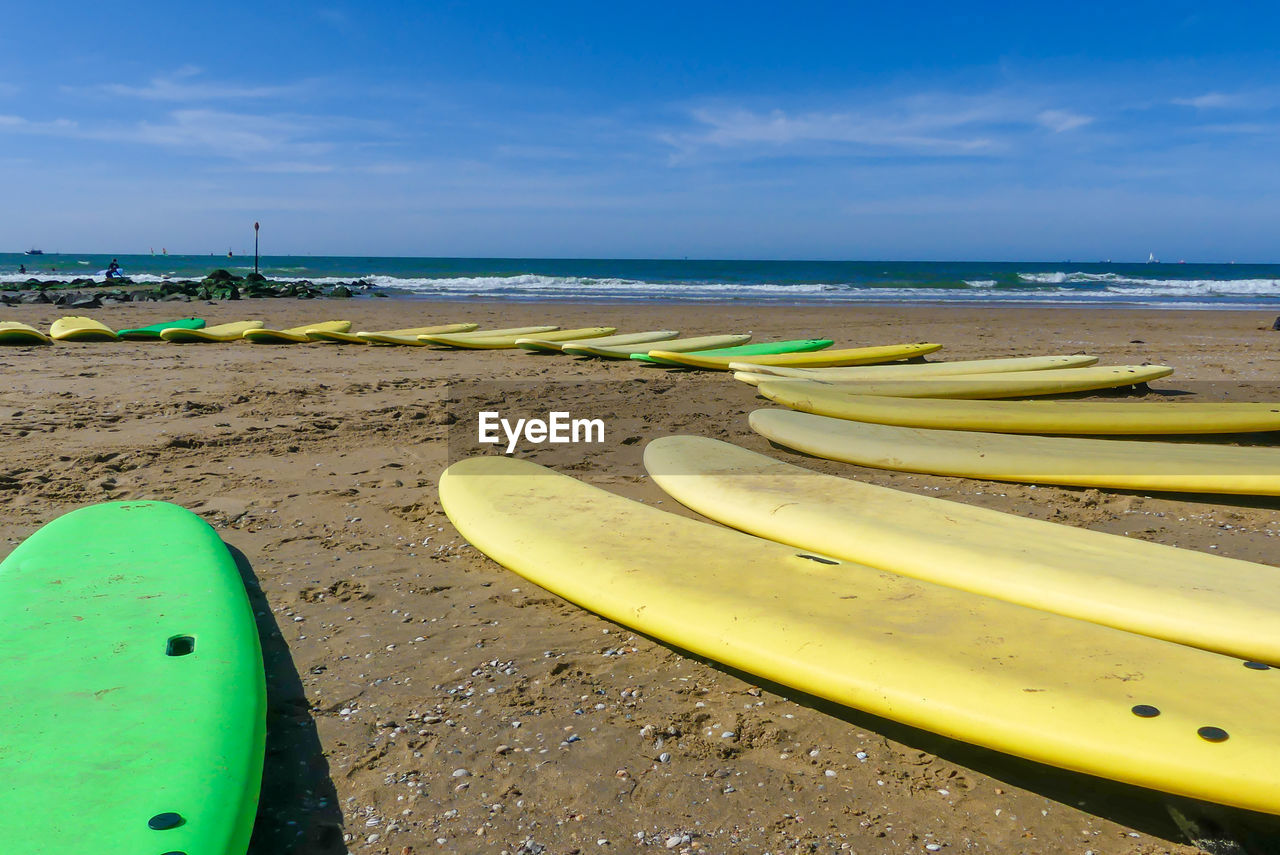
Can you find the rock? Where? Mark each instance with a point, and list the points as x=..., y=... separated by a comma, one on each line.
x=85, y=301
x=1276, y=325
x=221, y=275
x=34, y=297
x=340, y=291
x=255, y=277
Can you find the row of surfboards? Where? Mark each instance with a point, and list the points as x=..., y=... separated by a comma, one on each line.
x=604, y=342
x=921, y=418
x=941, y=417
x=943, y=616
x=1096, y=653
x=192, y=330
x=591, y=341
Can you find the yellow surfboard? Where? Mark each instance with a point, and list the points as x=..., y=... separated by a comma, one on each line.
x=15, y=332
x=293, y=335
x=233, y=331
x=76, y=328
x=1179, y=595
x=363, y=337
x=1050, y=417
x=505, y=342
x=1053, y=689
x=1124, y=464
x=680, y=345
x=549, y=346
x=844, y=356
x=802, y=394
x=918, y=369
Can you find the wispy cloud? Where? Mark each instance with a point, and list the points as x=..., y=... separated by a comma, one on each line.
x=1059, y=121
x=1242, y=128
x=1214, y=101
x=182, y=85
x=228, y=135
x=291, y=167
x=21, y=125
x=935, y=132
x=933, y=125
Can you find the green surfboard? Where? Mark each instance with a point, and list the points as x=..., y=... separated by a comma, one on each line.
x=152, y=332
x=803, y=345
x=133, y=683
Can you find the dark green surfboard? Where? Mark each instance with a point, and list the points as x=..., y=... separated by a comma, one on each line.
x=152, y=332
x=132, y=680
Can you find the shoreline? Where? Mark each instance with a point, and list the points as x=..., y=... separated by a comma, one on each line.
x=360, y=290
x=384, y=632
x=486, y=303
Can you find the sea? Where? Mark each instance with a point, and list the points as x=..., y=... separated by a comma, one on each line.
x=1048, y=283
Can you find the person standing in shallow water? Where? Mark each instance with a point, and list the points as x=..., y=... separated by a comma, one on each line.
x=113, y=269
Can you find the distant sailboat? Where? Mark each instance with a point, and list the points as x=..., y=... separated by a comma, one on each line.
x=1151, y=258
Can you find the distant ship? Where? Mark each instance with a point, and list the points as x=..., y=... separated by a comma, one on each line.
x=34, y=251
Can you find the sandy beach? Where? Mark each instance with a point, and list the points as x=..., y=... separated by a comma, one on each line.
x=422, y=698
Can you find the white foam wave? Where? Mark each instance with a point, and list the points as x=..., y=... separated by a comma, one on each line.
x=1056, y=287
x=1141, y=286
x=533, y=285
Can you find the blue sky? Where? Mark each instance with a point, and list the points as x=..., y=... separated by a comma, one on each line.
x=744, y=130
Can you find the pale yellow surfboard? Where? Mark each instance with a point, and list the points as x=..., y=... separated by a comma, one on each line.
x=802, y=394
x=1126, y=464
x=843, y=356
x=414, y=341
x=16, y=332
x=1179, y=595
x=365, y=337
x=293, y=335
x=548, y=346
x=233, y=331
x=1052, y=689
x=1102, y=418
x=473, y=341
x=77, y=328
x=919, y=369
x=680, y=345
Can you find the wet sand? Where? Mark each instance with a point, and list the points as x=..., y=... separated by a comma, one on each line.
x=424, y=699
